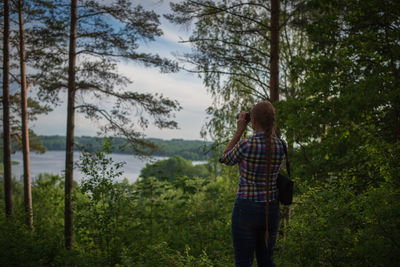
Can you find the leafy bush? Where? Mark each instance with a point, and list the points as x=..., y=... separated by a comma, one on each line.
x=172, y=168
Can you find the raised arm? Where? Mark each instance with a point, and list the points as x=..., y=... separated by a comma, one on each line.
x=240, y=128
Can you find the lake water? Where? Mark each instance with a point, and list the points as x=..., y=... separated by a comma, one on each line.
x=54, y=162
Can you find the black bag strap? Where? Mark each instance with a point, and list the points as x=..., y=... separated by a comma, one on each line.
x=286, y=157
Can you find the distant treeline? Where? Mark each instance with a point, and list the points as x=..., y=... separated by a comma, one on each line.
x=189, y=149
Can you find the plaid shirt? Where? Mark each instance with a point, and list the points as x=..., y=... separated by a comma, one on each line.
x=250, y=155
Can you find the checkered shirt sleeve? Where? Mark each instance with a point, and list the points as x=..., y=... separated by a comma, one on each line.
x=238, y=152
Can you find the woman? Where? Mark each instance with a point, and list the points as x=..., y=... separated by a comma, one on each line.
x=256, y=206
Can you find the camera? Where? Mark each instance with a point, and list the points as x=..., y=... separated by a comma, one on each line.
x=247, y=119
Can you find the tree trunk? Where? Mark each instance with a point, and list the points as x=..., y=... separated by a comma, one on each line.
x=24, y=120
x=274, y=54
x=6, y=112
x=396, y=123
x=274, y=78
x=396, y=102
x=69, y=150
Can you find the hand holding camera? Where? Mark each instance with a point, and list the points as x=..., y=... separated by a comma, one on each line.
x=243, y=118
x=247, y=118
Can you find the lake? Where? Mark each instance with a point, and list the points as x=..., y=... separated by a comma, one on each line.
x=54, y=162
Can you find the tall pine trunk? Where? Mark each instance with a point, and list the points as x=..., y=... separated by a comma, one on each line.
x=274, y=54
x=69, y=156
x=274, y=78
x=24, y=120
x=6, y=112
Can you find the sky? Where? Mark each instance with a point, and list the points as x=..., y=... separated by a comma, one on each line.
x=184, y=87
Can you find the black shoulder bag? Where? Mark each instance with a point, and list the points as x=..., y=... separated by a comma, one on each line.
x=285, y=185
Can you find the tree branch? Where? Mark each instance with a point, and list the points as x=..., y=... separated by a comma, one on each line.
x=227, y=10
x=92, y=14
x=253, y=91
x=15, y=77
x=225, y=42
x=227, y=73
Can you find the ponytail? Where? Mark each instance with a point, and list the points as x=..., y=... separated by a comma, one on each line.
x=268, y=156
x=264, y=114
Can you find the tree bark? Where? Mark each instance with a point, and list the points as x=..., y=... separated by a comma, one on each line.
x=274, y=55
x=396, y=107
x=274, y=78
x=6, y=112
x=69, y=150
x=24, y=120
x=396, y=123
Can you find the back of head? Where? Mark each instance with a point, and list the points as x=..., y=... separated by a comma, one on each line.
x=264, y=115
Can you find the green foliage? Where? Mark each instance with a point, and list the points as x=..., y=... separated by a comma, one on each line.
x=339, y=112
x=181, y=223
x=19, y=245
x=188, y=149
x=102, y=199
x=35, y=144
x=186, y=222
x=333, y=225
x=160, y=254
x=343, y=126
x=340, y=116
x=173, y=168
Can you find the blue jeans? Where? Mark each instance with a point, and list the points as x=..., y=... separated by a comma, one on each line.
x=248, y=229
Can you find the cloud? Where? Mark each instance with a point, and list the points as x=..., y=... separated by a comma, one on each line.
x=172, y=34
x=55, y=122
x=182, y=86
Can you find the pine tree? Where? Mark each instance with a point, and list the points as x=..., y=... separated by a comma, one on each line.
x=22, y=54
x=69, y=149
x=6, y=112
x=24, y=119
x=101, y=34
x=236, y=50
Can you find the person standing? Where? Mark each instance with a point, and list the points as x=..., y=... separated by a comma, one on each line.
x=256, y=206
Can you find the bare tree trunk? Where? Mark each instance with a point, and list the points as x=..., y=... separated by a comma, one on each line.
x=6, y=112
x=396, y=123
x=325, y=126
x=274, y=46
x=24, y=120
x=69, y=156
x=274, y=78
x=396, y=87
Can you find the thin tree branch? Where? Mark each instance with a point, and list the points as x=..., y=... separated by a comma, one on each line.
x=225, y=42
x=15, y=77
x=227, y=73
x=227, y=10
x=253, y=91
x=92, y=14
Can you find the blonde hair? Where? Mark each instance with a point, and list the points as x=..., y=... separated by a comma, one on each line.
x=263, y=114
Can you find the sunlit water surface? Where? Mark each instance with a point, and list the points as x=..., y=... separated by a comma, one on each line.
x=54, y=162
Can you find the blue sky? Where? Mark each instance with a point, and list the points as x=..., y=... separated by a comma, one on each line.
x=187, y=88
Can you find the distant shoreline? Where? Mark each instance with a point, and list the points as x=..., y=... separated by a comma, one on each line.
x=54, y=162
x=147, y=138
x=195, y=150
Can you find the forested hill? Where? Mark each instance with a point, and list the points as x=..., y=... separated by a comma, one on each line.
x=189, y=149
